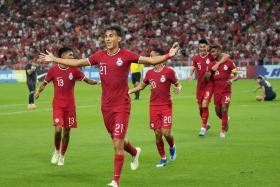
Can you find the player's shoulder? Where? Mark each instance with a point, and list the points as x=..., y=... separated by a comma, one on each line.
x=196, y=57
x=169, y=69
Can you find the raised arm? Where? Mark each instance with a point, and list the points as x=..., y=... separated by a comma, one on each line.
x=40, y=89
x=91, y=82
x=159, y=59
x=140, y=86
x=49, y=57
x=224, y=57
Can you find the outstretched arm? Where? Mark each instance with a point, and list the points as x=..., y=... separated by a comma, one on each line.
x=40, y=89
x=91, y=82
x=224, y=57
x=49, y=57
x=159, y=59
x=140, y=86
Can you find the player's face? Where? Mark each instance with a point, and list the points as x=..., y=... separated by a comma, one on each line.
x=111, y=39
x=203, y=49
x=68, y=55
x=215, y=53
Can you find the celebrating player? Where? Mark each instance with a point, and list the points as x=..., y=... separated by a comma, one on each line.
x=223, y=78
x=204, y=89
x=160, y=78
x=114, y=64
x=64, y=112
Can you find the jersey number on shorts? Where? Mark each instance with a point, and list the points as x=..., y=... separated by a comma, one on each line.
x=167, y=119
x=118, y=128
x=71, y=121
x=60, y=81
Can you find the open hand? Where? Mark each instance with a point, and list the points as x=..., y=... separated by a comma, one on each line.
x=46, y=57
x=174, y=49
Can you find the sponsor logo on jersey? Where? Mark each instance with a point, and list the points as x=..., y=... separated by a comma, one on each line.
x=225, y=67
x=162, y=79
x=119, y=62
x=70, y=76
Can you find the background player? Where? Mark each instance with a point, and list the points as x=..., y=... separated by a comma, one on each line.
x=267, y=92
x=64, y=110
x=114, y=64
x=204, y=89
x=31, y=79
x=223, y=78
x=160, y=78
x=136, y=71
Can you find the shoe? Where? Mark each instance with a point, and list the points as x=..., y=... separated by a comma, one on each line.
x=135, y=159
x=208, y=126
x=33, y=106
x=55, y=157
x=222, y=134
x=60, y=160
x=162, y=163
x=172, y=152
x=113, y=184
x=29, y=107
x=202, y=132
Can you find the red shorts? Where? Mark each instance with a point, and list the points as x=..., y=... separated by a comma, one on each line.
x=116, y=120
x=161, y=117
x=64, y=117
x=204, y=94
x=222, y=99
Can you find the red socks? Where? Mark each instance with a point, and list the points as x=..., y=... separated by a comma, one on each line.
x=204, y=116
x=118, y=164
x=130, y=149
x=224, y=120
x=160, y=147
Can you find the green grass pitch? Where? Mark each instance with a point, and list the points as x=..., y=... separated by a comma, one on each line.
x=249, y=156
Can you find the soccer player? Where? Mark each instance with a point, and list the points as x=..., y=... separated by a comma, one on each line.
x=204, y=89
x=114, y=64
x=31, y=79
x=136, y=70
x=267, y=92
x=160, y=79
x=223, y=78
x=64, y=110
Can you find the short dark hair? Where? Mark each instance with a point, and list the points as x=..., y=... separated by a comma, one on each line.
x=216, y=46
x=116, y=28
x=159, y=51
x=203, y=41
x=64, y=50
x=260, y=77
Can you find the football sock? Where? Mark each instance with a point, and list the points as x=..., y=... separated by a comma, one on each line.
x=31, y=98
x=63, y=148
x=224, y=120
x=130, y=149
x=160, y=147
x=137, y=94
x=204, y=116
x=118, y=164
x=170, y=140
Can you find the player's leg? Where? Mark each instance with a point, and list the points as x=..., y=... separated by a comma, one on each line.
x=224, y=114
x=57, y=143
x=259, y=98
x=31, y=88
x=137, y=82
x=204, y=110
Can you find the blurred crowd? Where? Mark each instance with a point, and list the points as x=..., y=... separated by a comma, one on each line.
x=248, y=30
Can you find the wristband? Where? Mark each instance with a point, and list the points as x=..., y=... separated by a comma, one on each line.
x=167, y=56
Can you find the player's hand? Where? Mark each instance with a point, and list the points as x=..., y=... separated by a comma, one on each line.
x=229, y=82
x=190, y=78
x=46, y=57
x=98, y=82
x=37, y=94
x=177, y=89
x=206, y=76
x=215, y=67
x=174, y=49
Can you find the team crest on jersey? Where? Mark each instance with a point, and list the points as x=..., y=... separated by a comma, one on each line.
x=207, y=61
x=70, y=76
x=56, y=120
x=162, y=79
x=225, y=67
x=152, y=125
x=119, y=62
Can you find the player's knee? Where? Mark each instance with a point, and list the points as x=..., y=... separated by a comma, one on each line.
x=224, y=109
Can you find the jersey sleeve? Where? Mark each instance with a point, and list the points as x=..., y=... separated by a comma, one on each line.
x=49, y=76
x=132, y=57
x=146, y=79
x=173, y=76
x=80, y=75
x=93, y=59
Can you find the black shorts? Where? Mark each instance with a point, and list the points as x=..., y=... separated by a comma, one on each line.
x=270, y=98
x=31, y=86
x=135, y=77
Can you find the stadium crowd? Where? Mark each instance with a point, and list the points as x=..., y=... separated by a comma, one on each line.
x=246, y=29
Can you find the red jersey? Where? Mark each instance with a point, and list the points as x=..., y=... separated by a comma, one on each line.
x=160, y=82
x=64, y=82
x=202, y=65
x=222, y=75
x=113, y=71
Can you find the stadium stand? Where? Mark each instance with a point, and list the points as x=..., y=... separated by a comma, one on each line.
x=248, y=30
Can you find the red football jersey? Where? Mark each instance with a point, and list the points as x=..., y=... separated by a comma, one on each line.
x=222, y=75
x=202, y=65
x=64, y=82
x=113, y=71
x=160, y=82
